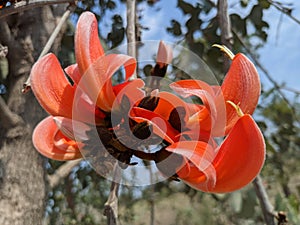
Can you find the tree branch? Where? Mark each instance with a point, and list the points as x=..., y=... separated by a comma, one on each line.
x=29, y=4
x=130, y=30
x=8, y=119
x=225, y=26
x=297, y=92
x=6, y=36
x=111, y=205
x=26, y=85
x=62, y=172
x=267, y=207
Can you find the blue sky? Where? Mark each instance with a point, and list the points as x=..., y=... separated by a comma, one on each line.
x=281, y=54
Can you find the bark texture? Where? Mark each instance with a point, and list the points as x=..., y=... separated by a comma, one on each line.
x=22, y=177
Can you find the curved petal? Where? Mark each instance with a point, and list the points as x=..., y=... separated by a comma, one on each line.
x=202, y=174
x=201, y=120
x=51, y=87
x=96, y=82
x=241, y=86
x=72, y=129
x=50, y=142
x=240, y=157
x=85, y=110
x=87, y=44
x=183, y=87
x=187, y=88
x=132, y=89
x=73, y=73
x=232, y=166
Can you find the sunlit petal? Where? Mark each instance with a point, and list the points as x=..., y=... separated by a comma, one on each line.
x=132, y=89
x=96, y=82
x=87, y=44
x=50, y=142
x=240, y=157
x=241, y=86
x=51, y=87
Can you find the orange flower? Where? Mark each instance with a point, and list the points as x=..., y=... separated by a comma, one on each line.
x=226, y=168
x=89, y=98
x=236, y=162
x=127, y=114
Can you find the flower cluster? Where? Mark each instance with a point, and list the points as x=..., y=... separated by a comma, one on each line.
x=85, y=106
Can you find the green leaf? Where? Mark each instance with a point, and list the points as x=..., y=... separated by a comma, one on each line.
x=244, y=3
x=111, y=5
x=175, y=28
x=239, y=24
x=264, y=4
x=186, y=7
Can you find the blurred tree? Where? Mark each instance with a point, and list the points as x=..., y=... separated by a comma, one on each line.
x=22, y=181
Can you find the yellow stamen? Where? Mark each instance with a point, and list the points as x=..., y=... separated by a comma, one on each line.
x=224, y=49
x=237, y=108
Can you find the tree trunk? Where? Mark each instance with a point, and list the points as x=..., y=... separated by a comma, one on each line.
x=22, y=176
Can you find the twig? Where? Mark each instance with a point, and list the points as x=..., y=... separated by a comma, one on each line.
x=297, y=92
x=62, y=172
x=267, y=207
x=26, y=85
x=111, y=205
x=225, y=26
x=286, y=11
x=29, y=4
x=152, y=198
x=130, y=30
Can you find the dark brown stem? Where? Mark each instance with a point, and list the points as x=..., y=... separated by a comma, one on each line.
x=28, y=5
x=267, y=207
x=225, y=26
